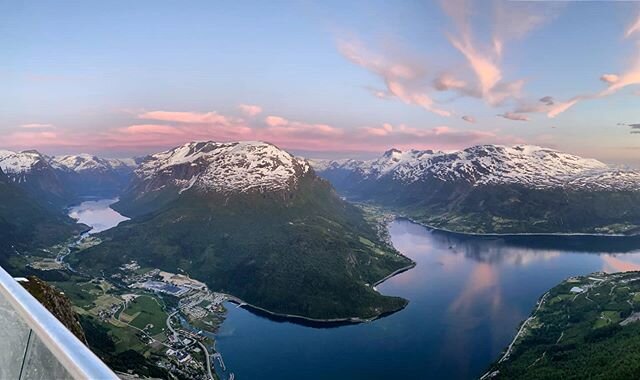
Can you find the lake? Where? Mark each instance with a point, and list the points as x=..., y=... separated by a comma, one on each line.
x=97, y=214
x=467, y=295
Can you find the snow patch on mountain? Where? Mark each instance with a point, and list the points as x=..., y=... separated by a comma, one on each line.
x=223, y=167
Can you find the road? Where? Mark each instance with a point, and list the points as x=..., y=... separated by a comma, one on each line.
x=208, y=359
x=173, y=331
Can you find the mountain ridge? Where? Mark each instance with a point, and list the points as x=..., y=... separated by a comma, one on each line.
x=496, y=189
x=58, y=181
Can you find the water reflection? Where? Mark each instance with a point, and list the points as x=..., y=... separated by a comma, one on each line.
x=467, y=297
x=97, y=214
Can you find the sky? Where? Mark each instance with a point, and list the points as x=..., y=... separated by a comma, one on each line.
x=322, y=79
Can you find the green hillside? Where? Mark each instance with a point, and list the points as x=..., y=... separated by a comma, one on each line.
x=305, y=252
x=25, y=224
x=586, y=328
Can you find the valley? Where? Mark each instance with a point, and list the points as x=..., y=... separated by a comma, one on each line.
x=162, y=322
x=192, y=272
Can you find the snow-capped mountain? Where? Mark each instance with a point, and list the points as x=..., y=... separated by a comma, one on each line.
x=528, y=165
x=492, y=188
x=32, y=171
x=87, y=174
x=62, y=180
x=86, y=162
x=211, y=169
x=18, y=166
x=222, y=167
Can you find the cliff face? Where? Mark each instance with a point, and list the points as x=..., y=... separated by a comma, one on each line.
x=57, y=303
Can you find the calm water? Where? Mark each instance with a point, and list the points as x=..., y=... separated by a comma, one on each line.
x=467, y=296
x=97, y=214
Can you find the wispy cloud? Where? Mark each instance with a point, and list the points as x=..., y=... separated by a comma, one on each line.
x=629, y=77
x=439, y=137
x=633, y=28
x=634, y=127
x=511, y=20
x=37, y=126
x=469, y=119
x=403, y=80
x=188, y=117
x=514, y=116
x=159, y=129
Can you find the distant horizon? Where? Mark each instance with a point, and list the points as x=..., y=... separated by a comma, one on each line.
x=312, y=155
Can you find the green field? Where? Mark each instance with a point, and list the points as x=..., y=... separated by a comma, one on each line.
x=146, y=310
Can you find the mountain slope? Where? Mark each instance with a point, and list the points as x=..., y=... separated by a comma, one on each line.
x=25, y=224
x=251, y=220
x=496, y=189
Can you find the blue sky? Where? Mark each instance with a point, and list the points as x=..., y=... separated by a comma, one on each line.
x=323, y=78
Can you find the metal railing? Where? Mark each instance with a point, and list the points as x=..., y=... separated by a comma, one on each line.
x=35, y=345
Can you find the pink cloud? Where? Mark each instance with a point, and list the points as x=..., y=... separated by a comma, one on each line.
x=250, y=109
x=549, y=106
x=288, y=134
x=276, y=121
x=29, y=140
x=558, y=108
x=484, y=66
x=627, y=78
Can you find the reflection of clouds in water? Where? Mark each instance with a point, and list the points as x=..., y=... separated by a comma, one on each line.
x=480, y=301
x=483, y=279
x=475, y=273
x=612, y=263
x=451, y=263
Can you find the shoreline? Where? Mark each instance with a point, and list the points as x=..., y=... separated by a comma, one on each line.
x=394, y=273
x=516, y=234
x=295, y=318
